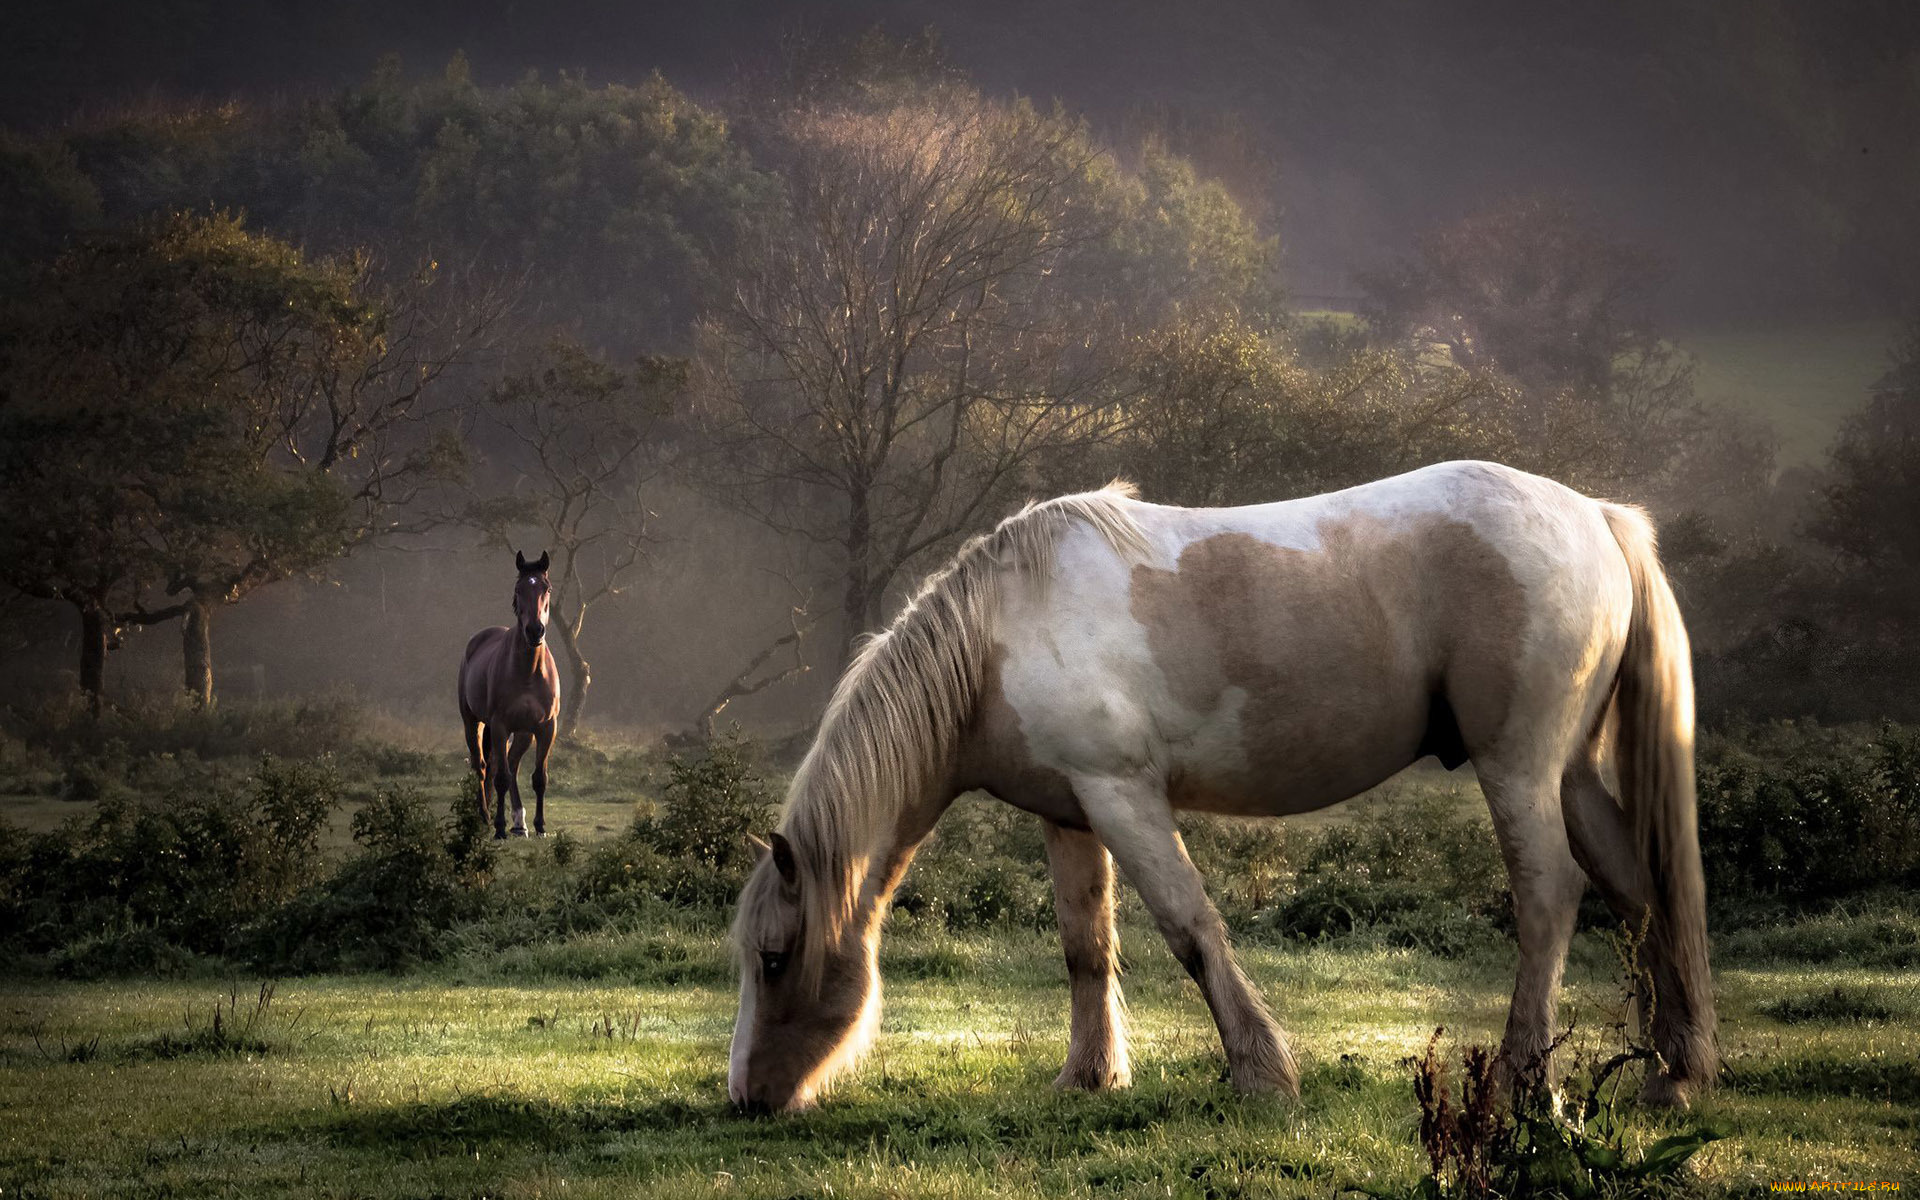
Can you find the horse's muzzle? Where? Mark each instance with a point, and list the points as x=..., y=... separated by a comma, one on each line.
x=536, y=635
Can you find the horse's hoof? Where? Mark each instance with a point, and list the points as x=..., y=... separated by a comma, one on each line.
x=519, y=833
x=1662, y=1090
x=499, y=835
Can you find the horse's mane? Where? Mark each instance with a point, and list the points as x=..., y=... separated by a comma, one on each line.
x=899, y=710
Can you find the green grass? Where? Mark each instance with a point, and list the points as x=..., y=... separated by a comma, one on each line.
x=459, y=1083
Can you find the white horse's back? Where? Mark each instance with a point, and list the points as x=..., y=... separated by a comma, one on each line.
x=1282, y=657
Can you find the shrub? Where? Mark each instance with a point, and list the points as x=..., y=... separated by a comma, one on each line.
x=191, y=870
x=1408, y=870
x=416, y=874
x=143, y=725
x=693, y=850
x=1800, y=812
x=1529, y=1141
x=985, y=865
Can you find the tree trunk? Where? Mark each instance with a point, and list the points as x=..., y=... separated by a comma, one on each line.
x=95, y=629
x=196, y=645
x=855, y=603
x=580, y=678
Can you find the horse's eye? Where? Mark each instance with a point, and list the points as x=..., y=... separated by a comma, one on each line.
x=773, y=963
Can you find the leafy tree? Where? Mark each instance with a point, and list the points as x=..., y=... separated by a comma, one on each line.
x=585, y=441
x=1223, y=414
x=223, y=413
x=605, y=204
x=1530, y=290
x=46, y=198
x=937, y=314
x=1875, y=477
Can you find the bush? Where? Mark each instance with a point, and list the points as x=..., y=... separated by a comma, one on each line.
x=693, y=850
x=1410, y=871
x=985, y=865
x=1801, y=812
x=191, y=870
x=169, y=723
x=391, y=905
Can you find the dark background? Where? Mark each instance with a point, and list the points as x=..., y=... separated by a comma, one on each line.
x=1764, y=150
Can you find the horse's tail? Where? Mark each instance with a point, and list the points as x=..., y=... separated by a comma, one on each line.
x=1654, y=713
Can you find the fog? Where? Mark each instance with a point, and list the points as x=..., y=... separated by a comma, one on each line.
x=1721, y=193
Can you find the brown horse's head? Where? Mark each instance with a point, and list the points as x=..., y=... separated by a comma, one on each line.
x=532, y=597
x=809, y=998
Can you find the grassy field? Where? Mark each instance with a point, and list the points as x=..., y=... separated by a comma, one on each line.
x=567, y=1042
x=460, y=1083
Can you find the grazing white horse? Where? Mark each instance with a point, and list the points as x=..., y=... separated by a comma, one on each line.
x=1103, y=662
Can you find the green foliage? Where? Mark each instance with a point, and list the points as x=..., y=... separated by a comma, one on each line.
x=146, y=724
x=1870, y=930
x=693, y=850
x=1798, y=812
x=1836, y=1004
x=606, y=202
x=1531, y=291
x=417, y=873
x=46, y=197
x=119, y=888
x=984, y=866
x=186, y=409
x=1226, y=412
x=1409, y=871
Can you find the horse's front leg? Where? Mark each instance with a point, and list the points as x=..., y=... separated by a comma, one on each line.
x=520, y=743
x=543, y=746
x=1083, y=898
x=1131, y=815
x=496, y=745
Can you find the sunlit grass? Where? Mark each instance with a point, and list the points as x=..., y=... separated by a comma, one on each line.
x=459, y=1083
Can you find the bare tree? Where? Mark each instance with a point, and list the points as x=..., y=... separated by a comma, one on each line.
x=900, y=348
x=787, y=653
x=586, y=441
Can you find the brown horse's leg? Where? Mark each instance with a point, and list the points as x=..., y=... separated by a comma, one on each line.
x=496, y=746
x=473, y=757
x=1083, y=896
x=543, y=737
x=520, y=743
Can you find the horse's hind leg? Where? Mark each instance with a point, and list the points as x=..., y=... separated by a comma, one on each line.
x=1546, y=885
x=473, y=758
x=1083, y=896
x=1603, y=841
x=1132, y=817
x=520, y=743
x=1603, y=845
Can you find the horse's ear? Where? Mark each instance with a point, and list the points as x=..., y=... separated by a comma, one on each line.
x=783, y=859
x=540, y=568
x=757, y=848
x=519, y=562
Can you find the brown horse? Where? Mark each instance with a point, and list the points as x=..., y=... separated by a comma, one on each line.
x=510, y=691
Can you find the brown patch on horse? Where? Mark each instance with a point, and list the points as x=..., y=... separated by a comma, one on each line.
x=1354, y=657
x=995, y=757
